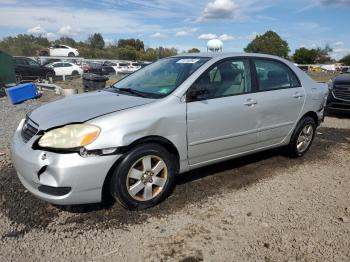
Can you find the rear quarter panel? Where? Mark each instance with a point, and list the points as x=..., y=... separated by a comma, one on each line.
x=315, y=92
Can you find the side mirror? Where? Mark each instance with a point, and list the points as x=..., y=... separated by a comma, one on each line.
x=196, y=93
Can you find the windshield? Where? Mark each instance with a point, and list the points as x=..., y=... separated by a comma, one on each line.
x=162, y=77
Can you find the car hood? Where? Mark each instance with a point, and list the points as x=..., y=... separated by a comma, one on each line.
x=343, y=78
x=80, y=108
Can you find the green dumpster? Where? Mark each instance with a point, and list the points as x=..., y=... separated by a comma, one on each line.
x=7, y=69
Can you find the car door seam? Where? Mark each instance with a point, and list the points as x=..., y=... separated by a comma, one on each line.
x=204, y=141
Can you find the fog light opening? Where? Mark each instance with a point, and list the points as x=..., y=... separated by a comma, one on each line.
x=83, y=152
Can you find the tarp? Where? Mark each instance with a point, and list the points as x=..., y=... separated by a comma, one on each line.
x=7, y=69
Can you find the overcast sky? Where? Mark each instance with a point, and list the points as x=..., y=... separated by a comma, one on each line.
x=184, y=24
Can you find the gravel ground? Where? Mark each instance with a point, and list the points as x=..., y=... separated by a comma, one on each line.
x=264, y=207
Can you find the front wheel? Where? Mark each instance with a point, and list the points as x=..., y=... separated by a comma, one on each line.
x=71, y=54
x=144, y=178
x=302, y=137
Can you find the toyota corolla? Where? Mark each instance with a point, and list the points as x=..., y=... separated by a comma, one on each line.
x=129, y=141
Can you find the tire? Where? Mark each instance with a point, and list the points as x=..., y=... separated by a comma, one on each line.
x=18, y=78
x=75, y=73
x=71, y=54
x=131, y=179
x=48, y=75
x=302, y=137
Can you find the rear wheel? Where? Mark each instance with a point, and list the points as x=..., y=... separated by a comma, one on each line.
x=49, y=75
x=302, y=137
x=18, y=78
x=144, y=178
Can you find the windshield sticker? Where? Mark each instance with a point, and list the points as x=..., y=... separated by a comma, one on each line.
x=187, y=61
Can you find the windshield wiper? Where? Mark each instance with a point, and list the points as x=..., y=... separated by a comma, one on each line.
x=132, y=91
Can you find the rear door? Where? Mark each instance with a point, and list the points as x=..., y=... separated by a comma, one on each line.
x=58, y=67
x=281, y=98
x=67, y=68
x=222, y=119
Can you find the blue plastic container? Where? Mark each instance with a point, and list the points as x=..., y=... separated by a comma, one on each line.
x=23, y=92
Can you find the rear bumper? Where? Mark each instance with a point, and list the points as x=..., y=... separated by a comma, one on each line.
x=62, y=179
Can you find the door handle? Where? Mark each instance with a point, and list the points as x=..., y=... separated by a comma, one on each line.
x=250, y=102
x=298, y=95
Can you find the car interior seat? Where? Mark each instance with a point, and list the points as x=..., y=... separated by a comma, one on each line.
x=232, y=80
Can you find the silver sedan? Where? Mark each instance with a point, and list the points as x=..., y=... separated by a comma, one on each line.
x=130, y=140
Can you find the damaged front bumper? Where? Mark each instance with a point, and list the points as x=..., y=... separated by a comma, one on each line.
x=60, y=178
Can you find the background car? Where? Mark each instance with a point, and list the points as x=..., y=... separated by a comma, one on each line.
x=63, y=50
x=133, y=66
x=99, y=68
x=119, y=67
x=339, y=96
x=65, y=68
x=28, y=69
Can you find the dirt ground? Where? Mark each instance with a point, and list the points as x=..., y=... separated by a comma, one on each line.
x=264, y=207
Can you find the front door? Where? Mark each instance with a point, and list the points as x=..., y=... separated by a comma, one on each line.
x=34, y=68
x=221, y=113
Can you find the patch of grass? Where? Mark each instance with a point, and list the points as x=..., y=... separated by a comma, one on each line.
x=322, y=78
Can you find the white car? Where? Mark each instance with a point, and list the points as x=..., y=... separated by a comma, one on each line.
x=63, y=50
x=65, y=68
x=133, y=67
x=119, y=67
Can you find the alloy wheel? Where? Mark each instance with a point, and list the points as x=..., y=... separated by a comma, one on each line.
x=147, y=178
x=305, y=138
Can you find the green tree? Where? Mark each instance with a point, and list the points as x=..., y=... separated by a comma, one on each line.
x=127, y=53
x=323, y=55
x=312, y=56
x=268, y=43
x=96, y=41
x=305, y=56
x=66, y=41
x=165, y=52
x=134, y=43
x=194, y=50
x=345, y=60
x=149, y=55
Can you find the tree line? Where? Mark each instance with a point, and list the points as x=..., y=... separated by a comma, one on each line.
x=134, y=49
x=93, y=47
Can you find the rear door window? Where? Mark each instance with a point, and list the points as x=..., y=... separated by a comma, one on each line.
x=274, y=75
x=57, y=65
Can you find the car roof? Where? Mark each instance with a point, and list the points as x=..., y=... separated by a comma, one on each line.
x=61, y=62
x=227, y=55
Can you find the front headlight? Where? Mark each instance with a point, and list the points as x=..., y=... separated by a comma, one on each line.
x=70, y=136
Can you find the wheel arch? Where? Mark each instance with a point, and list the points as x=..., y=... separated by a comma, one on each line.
x=313, y=115
x=159, y=140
